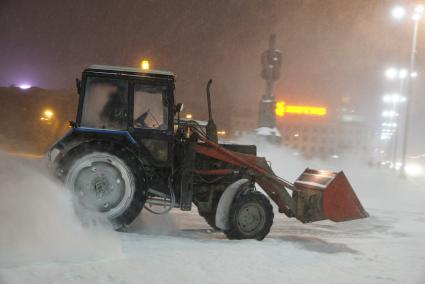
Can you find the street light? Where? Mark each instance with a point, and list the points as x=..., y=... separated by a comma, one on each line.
x=24, y=86
x=416, y=17
x=389, y=124
x=47, y=115
x=391, y=73
x=389, y=113
x=394, y=73
x=398, y=13
x=394, y=99
x=402, y=74
x=419, y=9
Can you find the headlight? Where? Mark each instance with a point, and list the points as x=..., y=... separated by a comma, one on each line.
x=413, y=170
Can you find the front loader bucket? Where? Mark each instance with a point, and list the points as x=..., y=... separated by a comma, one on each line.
x=323, y=195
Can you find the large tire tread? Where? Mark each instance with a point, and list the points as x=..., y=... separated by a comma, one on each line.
x=128, y=158
x=248, y=196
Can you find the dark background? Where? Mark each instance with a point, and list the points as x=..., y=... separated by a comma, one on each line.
x=331, y=48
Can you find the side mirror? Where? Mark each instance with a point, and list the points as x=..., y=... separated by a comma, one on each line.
x=178, y=108
x=78, y=85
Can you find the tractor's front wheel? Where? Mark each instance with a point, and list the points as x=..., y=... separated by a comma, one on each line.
x=251, y=216
x=103, y=181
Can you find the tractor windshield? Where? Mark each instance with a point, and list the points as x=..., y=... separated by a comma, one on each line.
x=150, y=110
x=105, y=104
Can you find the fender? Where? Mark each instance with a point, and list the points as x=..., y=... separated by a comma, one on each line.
x=226, y=199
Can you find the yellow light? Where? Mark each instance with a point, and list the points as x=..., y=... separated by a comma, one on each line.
x=221, y=132
x=48, y=114
x=189, y=116
x=144, y=64
x=282, y=109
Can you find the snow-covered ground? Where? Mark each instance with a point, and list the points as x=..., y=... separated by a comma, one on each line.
x=41, y=241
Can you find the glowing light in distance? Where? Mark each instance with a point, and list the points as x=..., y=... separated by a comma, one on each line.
x=145, y=64
x=24, y=86
x=394, y=98
x=47, y=115
x=402, y=73
x=398, y=12
x=221, y=132
x=419, y=9
x=282, y=109
x=389, y=124
x=391, y=73
x=414, y=74
x=389, y=113
x=189, y=116
x=413, y=169
x=416, y=17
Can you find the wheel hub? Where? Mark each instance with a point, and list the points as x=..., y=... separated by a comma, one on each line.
x=251, y=218
x=99, y=186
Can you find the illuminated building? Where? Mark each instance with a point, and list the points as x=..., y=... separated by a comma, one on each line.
x=312, y=131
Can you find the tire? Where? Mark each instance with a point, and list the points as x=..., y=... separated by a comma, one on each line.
x=251, y=216
x=105, y=180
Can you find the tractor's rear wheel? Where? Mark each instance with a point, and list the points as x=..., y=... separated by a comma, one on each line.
x=106, y=181
x=251, y=216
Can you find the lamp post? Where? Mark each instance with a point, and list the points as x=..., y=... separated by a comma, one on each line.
x=395, y=99
x=399, y=13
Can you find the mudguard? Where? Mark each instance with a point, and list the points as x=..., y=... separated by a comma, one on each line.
x=226, y=199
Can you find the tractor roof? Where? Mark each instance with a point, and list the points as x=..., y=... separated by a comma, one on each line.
x=129, y=71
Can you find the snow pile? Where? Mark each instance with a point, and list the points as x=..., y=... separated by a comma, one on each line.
x=38, y=221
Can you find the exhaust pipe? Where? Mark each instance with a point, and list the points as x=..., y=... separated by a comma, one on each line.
x=211, y=127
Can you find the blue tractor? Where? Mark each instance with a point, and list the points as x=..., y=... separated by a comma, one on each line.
x=128, y=150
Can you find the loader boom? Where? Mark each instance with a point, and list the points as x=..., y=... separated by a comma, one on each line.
x=316, y=195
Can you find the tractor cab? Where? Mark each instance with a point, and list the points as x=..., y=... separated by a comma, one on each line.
x=130, y=101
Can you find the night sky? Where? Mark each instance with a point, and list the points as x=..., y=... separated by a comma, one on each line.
x=330, y=48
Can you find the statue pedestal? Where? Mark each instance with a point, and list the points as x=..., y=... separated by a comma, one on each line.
x=267, y=121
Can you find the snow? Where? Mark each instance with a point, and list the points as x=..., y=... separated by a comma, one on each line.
x=43, y=242
x=267, y=131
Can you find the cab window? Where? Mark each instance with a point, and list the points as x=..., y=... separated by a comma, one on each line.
x=150, y=108
x=105, y=104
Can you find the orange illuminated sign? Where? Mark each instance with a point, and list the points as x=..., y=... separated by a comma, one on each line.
x=282, y=109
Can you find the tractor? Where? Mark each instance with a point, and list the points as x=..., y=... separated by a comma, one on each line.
x=128, y=149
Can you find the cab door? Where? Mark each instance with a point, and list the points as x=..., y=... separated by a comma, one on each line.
x=152, y=120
